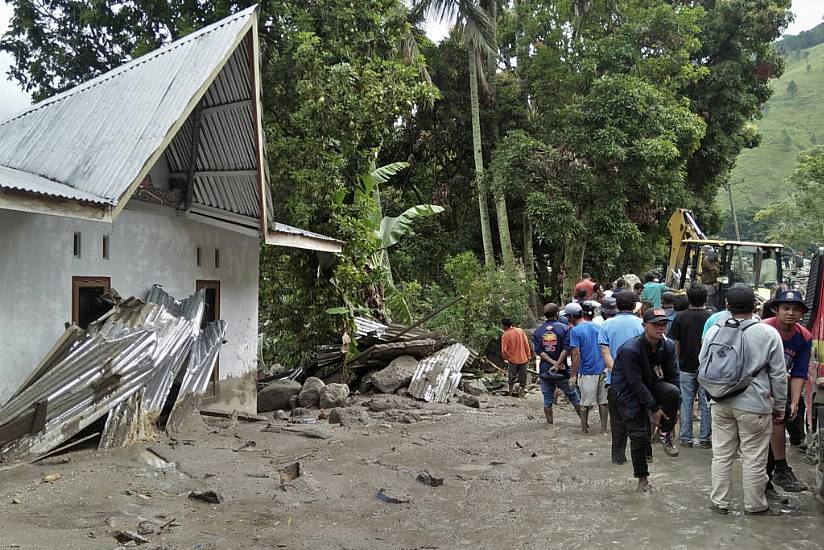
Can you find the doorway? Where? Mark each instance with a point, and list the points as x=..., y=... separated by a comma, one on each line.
x=212, y=311
x=86, y=304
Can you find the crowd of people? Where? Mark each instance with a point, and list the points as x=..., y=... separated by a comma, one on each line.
x=642, y=356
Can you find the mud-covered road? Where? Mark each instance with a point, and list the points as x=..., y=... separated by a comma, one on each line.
x=510, y=481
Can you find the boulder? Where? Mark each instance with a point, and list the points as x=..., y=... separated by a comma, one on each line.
x=347, y=417
x=298, y=412
x=280, y=415
x=310, y=393
x=276, y=395
x=333, y=395
x=469, y=401
x=473, y=387
x=397, y=375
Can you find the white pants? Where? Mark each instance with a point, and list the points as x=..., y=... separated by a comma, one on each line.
x=733, y=429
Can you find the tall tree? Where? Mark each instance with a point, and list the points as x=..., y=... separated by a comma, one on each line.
x=474, y=24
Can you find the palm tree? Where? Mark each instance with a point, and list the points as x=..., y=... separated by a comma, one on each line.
x=478, y=32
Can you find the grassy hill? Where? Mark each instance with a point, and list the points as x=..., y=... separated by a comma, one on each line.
x=759, y=174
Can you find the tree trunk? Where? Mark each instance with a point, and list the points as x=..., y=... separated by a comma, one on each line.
x=529, y=265
x=503, y=231
x=486, y=231
x=573, y=265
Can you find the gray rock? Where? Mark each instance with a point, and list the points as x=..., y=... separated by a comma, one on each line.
x=293, y=401
x=403, y=392
x=468, y=400
x=474, y=387
x=277, y=395
x=280, y=415
x=333, y=395
x=365, y=385
x=298, y=412
x=398, y=374
x=347, y=417
x=310, y=393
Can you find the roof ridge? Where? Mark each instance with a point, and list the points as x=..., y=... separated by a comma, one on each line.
x=129, y=65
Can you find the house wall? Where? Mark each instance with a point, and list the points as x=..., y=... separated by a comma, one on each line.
x=148, y=245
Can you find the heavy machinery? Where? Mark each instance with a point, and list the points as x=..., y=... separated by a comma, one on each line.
x=814, y=390
x=719, y=263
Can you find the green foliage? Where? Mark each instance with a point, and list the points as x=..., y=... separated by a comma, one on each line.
x=798, y=219
x=801, y=41
x=393, y=228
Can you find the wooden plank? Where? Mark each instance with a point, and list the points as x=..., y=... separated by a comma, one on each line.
x=194, y=148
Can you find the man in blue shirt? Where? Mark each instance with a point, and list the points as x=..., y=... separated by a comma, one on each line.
x=614, y=332
x=587, y=364
x=550, y=342
x=652, y=290
x=645, y=380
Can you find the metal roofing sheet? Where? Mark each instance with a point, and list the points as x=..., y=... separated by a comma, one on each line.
x=18, y=180
x=289, y=230
x=97, y=137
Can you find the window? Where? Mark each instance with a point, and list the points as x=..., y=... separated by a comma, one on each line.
x=212, y=312
x=77, y=242
x=198, y=256
x=217, y=258
x=105, y=248
x=86, y=304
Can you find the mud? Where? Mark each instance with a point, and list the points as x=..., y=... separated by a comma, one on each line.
x=510, y=481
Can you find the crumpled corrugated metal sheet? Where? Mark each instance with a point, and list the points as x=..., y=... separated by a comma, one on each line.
x=96, y=137
x=437, y=376
x=199, y=369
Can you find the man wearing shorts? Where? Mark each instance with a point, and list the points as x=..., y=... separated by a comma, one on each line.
x=587, y=364
x=551, y=340
x=516, y=353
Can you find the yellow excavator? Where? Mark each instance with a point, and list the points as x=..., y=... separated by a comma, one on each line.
x=719, y=263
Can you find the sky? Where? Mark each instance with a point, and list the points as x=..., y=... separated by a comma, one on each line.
x=808, y=14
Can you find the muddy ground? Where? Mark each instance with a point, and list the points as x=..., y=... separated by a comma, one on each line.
x=509, y=481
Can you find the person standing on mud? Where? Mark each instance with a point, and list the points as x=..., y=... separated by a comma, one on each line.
x=797, y=343
x=745, y=421
x=516, y=353
x=588, y=365
x=645, y=378
x=614, y=333
x=551, y=341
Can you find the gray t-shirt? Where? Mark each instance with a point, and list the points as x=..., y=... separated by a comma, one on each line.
x=768, y=390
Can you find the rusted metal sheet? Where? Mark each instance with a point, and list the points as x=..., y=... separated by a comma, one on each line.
x=199, y=369
x=438, y=375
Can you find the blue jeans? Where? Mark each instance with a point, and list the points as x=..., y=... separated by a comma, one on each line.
x=548, y=389
x=689, y=385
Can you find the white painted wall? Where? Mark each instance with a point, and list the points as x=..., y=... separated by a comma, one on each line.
x=146, y=247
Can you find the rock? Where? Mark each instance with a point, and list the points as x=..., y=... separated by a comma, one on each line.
x=333, y=395
x=293, y=401
x=403, y=392
x=298, y=412
x=277, y=395
x=468, y=400
x=280, y=415
x=474, y=387
x=310, y=393
x=365, y=385
x=398, y=374
x=347, y=417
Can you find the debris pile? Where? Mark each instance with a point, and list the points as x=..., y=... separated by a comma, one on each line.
x=122, y=366
x=393, y=359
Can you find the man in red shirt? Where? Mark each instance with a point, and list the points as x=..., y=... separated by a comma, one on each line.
x=585, y=284
x=517, y=352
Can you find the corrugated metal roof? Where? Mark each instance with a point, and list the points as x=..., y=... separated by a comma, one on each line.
x=18, y=180
x=289, y=230
x=97, y=137
x=438, y=375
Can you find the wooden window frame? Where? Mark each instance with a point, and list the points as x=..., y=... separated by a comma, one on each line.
x=85, y=282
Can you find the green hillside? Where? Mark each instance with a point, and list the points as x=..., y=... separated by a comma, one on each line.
x=759, y=174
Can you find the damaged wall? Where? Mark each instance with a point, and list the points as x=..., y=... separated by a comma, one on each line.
x=146, y=247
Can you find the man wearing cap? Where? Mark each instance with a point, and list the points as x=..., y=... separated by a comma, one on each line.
x=789, y=308
x=516, y=353
x=744, y=422
x=614, y=333
x=551, y=341
x=645, y=378
x=587, y=364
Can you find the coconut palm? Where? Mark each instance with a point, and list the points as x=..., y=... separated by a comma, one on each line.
x=473, y=22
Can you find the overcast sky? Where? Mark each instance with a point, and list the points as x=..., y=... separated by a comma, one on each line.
x=808, y=14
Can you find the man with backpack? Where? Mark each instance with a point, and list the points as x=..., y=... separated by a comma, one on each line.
x=741, y=367
x=645, y=379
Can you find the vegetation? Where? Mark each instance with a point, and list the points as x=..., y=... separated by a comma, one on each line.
x=584, y=122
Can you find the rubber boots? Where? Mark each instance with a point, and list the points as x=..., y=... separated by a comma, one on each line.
x=548, y=414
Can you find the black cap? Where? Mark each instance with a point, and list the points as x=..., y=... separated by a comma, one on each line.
x=625, y=300
x=655, y=315
x=741, y=296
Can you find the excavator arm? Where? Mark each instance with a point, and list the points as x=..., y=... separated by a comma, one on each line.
x=682, y=226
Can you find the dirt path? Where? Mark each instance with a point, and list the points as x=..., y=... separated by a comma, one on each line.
x=510, y=481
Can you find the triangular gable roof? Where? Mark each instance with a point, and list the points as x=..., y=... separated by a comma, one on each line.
x=86, y=150
x=98, y=137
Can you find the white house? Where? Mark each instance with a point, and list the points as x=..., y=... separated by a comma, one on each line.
x=153, y=173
